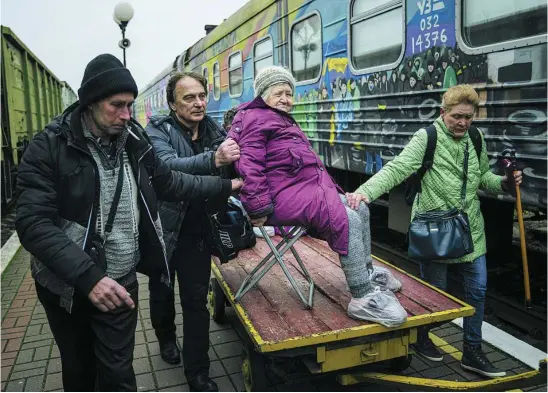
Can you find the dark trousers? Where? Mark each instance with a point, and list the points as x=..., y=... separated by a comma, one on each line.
x=474, y=275
x=191, y=261
x=96, y=347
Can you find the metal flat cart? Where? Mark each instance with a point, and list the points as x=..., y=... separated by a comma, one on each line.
x=275, y=324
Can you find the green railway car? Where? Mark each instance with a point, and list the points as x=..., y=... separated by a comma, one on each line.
x=31, y=96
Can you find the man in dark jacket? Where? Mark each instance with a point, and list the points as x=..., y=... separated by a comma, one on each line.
x=86, y=211
x=190, y=141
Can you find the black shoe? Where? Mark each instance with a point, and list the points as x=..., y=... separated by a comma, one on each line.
x=426, y=348
x=473, y=359
x=169, y=349
x=202, y=383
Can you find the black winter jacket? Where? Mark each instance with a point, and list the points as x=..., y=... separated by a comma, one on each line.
x=175, y=150
x=57, y=182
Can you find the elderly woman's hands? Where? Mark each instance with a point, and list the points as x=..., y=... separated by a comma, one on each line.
x=227, y=153
x=259, y=222
x=353, y=199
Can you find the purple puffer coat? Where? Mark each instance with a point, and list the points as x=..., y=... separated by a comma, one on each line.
x=284, y=179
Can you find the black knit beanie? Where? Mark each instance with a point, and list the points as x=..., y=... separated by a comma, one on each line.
x=105, y=76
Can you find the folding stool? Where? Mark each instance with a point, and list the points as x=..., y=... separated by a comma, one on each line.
x=276, y=256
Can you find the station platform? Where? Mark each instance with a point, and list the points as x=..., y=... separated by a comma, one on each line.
x=30, y=359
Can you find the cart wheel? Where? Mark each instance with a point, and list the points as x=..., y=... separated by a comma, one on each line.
x=216, y=301
x=254, y=370
x=401, y=363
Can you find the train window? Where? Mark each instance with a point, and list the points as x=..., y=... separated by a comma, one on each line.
x=371, y=19
x=206, y=76
x=263, y=54
x=235, y=74
x=216, y=81
x=306, y=48
x=487, y=23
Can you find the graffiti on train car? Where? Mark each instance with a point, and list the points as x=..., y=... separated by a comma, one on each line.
x=153, y=103
x=430, y=25
x=369, y=110
x=358, y=120
x=359, y=123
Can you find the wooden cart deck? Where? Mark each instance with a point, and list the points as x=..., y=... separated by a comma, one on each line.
x=276, y=319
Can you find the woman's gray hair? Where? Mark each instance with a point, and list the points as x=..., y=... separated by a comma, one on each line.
x=268, y=90
x=266, y=93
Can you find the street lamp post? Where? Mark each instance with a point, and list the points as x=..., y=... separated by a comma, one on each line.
x=123, y=12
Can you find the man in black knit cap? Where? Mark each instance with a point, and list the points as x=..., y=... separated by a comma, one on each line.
x=86, y=211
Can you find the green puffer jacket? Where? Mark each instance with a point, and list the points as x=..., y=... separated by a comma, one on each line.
x=441, y=185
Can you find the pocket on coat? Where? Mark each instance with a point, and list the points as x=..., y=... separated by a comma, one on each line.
x=75, y=187
x=296, y=163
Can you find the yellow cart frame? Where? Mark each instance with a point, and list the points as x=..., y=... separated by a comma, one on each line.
x=340, y=350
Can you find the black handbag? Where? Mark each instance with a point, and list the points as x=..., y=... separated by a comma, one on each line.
x=231, y=230
x=442, y=234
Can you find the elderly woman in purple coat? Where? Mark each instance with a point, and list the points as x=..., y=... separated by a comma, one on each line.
x=286, y=183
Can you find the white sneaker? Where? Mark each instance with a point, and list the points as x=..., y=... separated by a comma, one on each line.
x=380, y=306
x=384, y=278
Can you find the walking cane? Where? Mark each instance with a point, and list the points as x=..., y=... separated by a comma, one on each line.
x=510, y=168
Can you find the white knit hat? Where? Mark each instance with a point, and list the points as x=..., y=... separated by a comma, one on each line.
x=270, y=76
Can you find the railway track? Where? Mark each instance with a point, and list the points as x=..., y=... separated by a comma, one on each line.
x=501, y=311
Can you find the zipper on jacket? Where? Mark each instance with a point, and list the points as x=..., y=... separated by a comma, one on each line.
x=140, y=193
x=138, y=161
x=148, y=210
x=90, y=215
x=97, y=180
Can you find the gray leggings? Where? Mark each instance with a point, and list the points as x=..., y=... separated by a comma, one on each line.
x=357, y=265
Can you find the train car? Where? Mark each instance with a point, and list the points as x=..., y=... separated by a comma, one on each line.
x=31, y=96
x=371, y=73
x=68, y=96
x=152, y=98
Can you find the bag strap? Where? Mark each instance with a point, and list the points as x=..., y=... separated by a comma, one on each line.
x=428, y=158
x=115, y=200
x=465, y=177
x=475, y=135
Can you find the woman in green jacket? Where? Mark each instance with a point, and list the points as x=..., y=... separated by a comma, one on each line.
x=441, y=189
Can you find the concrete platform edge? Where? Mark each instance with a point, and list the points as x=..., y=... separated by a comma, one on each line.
x=8, y=251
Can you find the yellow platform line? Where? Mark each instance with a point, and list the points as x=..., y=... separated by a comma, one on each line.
x=452, y=351
x=446, y=347
x=530, y=378
x=526, y=379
